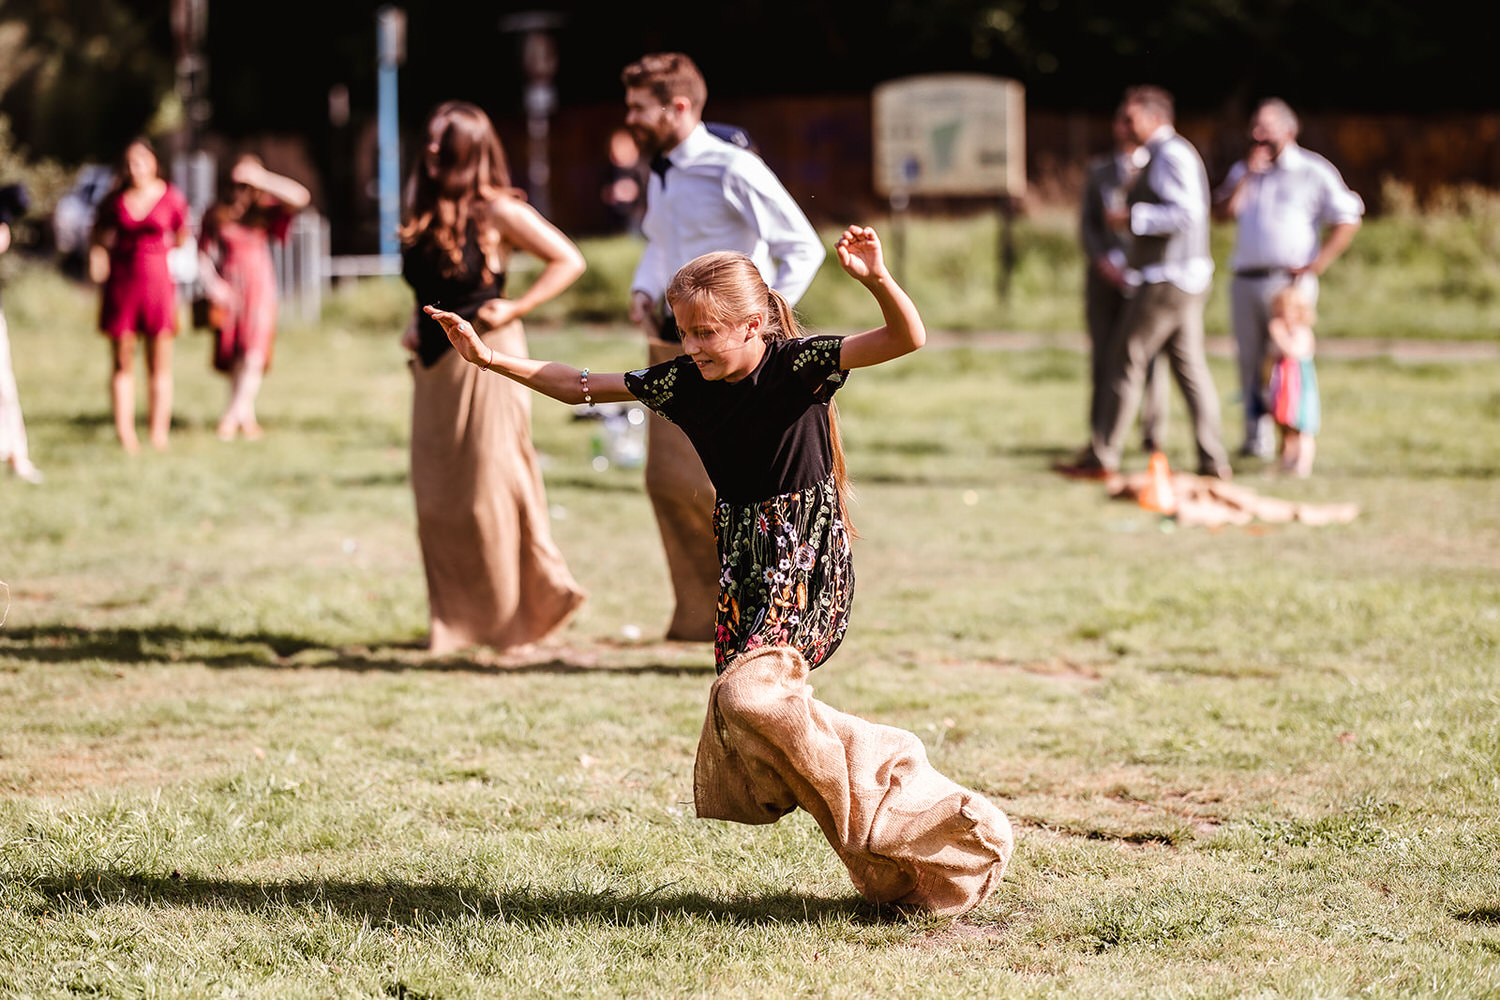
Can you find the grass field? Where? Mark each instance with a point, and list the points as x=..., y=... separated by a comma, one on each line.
x=1258, y=761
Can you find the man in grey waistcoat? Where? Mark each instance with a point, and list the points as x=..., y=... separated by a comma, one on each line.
x=1109, y=282
x=1166, y=214
x=1284, y=198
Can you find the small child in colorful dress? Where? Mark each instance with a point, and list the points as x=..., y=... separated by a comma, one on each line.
x=754, y=396
x=1292, y=391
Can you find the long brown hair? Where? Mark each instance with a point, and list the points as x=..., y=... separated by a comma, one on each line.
x=729, y=287
x=460, y=172
x=106, y=222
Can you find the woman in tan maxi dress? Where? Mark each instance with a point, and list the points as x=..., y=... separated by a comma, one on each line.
x=494, y=575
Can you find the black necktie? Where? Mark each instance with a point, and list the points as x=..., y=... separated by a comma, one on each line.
x=659, y=165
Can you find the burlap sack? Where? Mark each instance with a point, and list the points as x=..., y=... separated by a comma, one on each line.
x=907, y=834
x=1212, y=502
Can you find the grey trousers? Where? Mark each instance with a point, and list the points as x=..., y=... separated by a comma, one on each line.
x=1103, y=305
x=1161, y=318
x=1250, y=315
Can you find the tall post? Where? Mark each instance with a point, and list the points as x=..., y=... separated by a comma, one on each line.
x=191, y=168
x=539, y=60
x=1007, y=248
x=390, y=47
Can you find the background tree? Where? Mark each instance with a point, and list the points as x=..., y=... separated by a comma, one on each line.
x=78, y=78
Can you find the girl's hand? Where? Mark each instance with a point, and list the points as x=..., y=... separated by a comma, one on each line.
x=463, y=336
x=860, y=255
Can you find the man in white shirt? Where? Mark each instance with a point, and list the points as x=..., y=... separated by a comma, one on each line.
x=703, y=194
x=1283, y=198
x=1166, y=215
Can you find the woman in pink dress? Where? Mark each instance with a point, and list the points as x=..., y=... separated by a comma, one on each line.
x=235, y=262
x=140, y=219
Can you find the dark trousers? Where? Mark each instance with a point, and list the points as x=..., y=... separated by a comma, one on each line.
x=1104, y=305
x=1161, y=318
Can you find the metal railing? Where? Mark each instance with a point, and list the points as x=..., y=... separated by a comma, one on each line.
x=305, y=269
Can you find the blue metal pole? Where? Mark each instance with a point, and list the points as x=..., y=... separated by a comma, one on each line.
x=388, y=47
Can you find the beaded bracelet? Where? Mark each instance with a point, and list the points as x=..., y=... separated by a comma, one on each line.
x=583, y=379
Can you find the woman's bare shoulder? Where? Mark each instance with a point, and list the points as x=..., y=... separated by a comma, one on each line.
x=508, y=206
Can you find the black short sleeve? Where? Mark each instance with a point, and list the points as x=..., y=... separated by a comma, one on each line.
x=760, y=436
x=815, y=360
x=657, y=387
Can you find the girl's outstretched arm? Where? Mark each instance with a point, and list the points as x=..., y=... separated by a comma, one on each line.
x=550, y=378
x=861, y=257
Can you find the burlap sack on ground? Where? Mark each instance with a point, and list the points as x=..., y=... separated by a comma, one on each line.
x=683, y=498
x=1210, y=502
x=907, y=834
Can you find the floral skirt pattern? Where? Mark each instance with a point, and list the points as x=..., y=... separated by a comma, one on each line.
x=787, y=574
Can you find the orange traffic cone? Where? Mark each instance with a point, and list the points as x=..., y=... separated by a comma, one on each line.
x=1158, y=494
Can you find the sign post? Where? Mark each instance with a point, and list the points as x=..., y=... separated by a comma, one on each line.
x=951, y=134
x=390, y=50
x=539, y=60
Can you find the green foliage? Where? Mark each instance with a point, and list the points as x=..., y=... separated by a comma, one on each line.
x=82, y=78
x=45, y=181
x=603, y=293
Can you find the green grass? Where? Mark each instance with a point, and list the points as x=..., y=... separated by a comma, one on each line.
x=1249, y=762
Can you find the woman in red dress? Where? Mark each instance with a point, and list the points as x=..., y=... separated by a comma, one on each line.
x=235, y=262
x=141, y=218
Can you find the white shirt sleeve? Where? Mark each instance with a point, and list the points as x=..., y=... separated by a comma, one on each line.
x=768, y=209
x=1339, y=204
x=651, y=273
x=1231, y=181
x=1184, y=201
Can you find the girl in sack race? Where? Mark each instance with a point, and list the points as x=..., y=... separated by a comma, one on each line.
x=754, y=395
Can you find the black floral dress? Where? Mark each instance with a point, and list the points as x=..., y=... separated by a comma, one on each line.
x=787, y=576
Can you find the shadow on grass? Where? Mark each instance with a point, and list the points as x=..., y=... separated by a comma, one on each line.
x=95, y=420
x=1480, y=915
x=411, y=904
x=219, y=649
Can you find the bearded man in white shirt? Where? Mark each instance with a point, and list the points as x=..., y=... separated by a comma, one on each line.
x=1283, y=198
x=703, y=194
